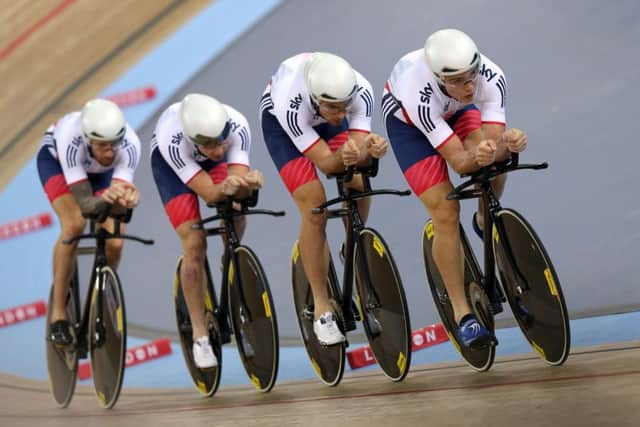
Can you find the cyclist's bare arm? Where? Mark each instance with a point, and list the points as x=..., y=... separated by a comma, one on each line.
x=461, y=158
x=495, y=131
x=89, y=204
x=327, y=161
x=242, y=171
x=203, y=186
x=370, y=145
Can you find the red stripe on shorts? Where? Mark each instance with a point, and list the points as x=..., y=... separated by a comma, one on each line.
x=55, y=187
x=219, y=173
x=426, y=173
x=467, y=123
x=182, y=208
x=338, y=140
x=298, y=172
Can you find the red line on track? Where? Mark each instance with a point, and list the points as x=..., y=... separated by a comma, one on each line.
x=35, y=27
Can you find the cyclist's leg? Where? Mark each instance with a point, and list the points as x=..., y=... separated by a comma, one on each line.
x=192, y=274
x=71, y=224
x=181, y=206
x=299, y=176
x=447, y=251
x=312, y=242
x=426, y=173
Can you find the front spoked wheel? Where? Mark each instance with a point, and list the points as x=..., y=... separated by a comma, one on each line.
x=383, y=305
x=107, y=336
x=327, y=362
x=532, y=287
x=479, y=359
x=254, y=319
x=62, y=362
x=206, y=381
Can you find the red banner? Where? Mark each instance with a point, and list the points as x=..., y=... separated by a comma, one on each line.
x=420, y=338
x=26, y=225
x=135, y=356
x=135, y=96
x=19, y=314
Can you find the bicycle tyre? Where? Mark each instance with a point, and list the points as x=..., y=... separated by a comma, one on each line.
x=206, y=381
x=540, y=310
x=390, y=336
x=327, y=362
x=108, y=352
x=257, y=340
x=478, y=359
x=62, y=363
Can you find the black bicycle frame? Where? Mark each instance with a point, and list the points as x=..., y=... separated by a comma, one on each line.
x=227, y=213
x=354, y=225
x=491, y=206
x=100, y=261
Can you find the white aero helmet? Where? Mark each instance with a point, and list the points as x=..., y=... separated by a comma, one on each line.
x=204, y=119
x=329, y=78
x=102, y=120
x=449, y=52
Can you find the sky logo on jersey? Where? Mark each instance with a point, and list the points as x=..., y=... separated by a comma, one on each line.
x=175, y=139
x=488, y=73
x=425, y=93
x=295, y=102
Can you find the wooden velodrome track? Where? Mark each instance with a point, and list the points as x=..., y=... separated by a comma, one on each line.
x=56, y=54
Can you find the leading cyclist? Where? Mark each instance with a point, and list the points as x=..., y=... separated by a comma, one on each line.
x=445, y=105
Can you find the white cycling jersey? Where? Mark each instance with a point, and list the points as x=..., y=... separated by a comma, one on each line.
x=183, y=155
x=417, y=98
x=67, y=143
x=289, y=100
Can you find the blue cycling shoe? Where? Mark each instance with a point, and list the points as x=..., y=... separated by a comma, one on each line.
x=472, y=334
x=476, y=227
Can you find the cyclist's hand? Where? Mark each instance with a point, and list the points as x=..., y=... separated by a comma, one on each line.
x=376, y=145
x=113, y=193
x=231, y=184
x=516, y=140
x=129, y=195
x=350, y=153
x=254, y=179
x=486, y=152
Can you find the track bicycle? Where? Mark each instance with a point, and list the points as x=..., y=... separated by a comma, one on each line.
x=527, y=278
x=245, y=308
x=101, y=332
x=380, y=299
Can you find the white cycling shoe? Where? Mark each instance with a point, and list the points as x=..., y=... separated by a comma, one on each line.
x=327, y=331
x=203, y=354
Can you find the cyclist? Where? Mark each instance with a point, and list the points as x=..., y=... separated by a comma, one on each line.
x=200, y=147
x=445, y=104
x=316, y=112
x=86, y=164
